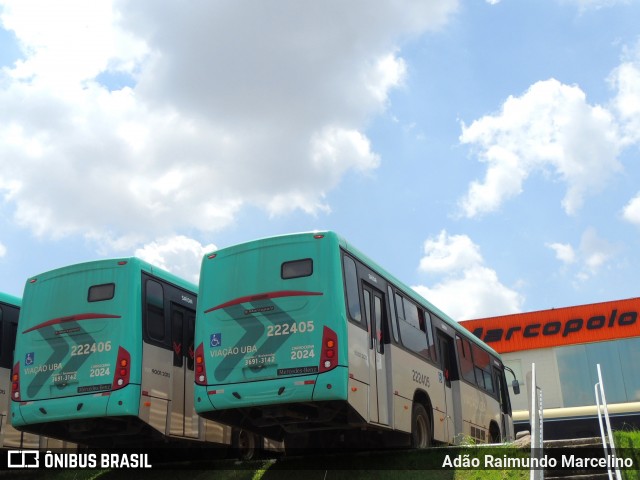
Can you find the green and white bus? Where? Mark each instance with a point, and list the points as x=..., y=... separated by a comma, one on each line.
x=104, y=357
x=9, y=436
x=302, y=337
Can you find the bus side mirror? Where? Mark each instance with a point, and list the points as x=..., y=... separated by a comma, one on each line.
x=516, y=387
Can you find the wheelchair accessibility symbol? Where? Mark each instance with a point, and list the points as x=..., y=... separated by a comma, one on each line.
x=28, y=358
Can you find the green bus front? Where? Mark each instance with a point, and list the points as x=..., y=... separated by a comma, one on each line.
x=75, y=360
x=271, y=330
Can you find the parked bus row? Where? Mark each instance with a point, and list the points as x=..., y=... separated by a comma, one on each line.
x=104, y=358
x=298, y=338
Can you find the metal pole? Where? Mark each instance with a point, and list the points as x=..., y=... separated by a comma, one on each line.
x=608, y=423
x=535, y=419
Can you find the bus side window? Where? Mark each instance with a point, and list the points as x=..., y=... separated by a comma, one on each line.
x=377, y=302
x=482, y=363
x=191, y=321
x=367, y=315
x=400, y=307
x=411, y=336
x=464, y=359
x=422, y=319
x=411, y=315
x=392, y=310
x=8, y=331
x=351, y=285
x=13, y=332
x=431, y=335
x=428, y=325
x=155, y=311
x=177, y=334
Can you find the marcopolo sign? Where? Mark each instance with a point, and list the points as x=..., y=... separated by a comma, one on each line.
x=561, y=326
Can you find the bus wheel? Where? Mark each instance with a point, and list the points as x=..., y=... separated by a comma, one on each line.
x=420, y=427
x=245, y=445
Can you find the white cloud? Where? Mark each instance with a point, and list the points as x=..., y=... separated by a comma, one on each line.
x=631, y=211
x=564, y=252
x=549, y=127
x=469, y=289
x=596, y=251
x=179, y=255
x=447, y=253
x=222, y=100
x=589, y=257
x=68, y=42
x=584, y=5
x=625, y=79
x=3, y=250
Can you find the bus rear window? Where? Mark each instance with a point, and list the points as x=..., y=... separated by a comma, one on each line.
x=99, y=293
x=296, y=269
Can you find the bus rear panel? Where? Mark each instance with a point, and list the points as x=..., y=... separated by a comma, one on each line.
x=271, y=340
x=98, y=355
x=73, y=350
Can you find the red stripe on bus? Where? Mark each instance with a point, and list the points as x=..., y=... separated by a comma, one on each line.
x=71, y=318
x=263, y=296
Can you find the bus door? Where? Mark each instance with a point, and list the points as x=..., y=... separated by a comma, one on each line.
x=375, y=309
x=506, y=425
x=184, y=420
x=447, y=362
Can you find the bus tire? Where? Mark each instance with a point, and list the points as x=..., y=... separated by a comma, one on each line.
x=420, y=427
x=245, y=445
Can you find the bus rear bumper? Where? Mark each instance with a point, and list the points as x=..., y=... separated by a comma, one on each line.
x=113, y=403
x=330, y=385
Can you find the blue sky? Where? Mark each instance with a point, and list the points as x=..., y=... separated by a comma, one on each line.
x=485, y=152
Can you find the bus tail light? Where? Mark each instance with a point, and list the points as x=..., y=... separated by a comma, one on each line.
x=122, y=370
x=329, y=355
x=201, y=373
x=15, y=382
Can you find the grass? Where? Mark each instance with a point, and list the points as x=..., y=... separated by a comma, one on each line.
x=629, y=442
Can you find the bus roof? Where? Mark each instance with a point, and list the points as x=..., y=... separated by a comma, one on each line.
x=107, y=263
x=347, y=246
x=10, y=299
